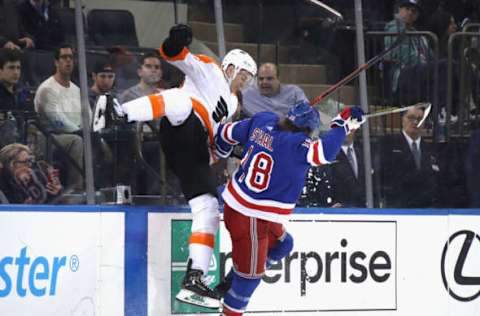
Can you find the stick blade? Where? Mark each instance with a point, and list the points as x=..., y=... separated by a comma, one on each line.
x=427, y=107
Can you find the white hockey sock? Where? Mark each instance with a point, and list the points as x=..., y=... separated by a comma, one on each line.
x=200, y=255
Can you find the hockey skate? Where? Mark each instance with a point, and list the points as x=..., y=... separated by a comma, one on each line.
x=223, y=287
x=194, y=291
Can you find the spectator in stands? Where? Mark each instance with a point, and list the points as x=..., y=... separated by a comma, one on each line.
x=10, y=71
x=409, y=167
x=442, y=24
x=12, y=31
x=40, y=19
x=150, y=73
x=24, y=181
x=270, y=94
x=465, y=11
x=12, y=120
x=413, y=64
x=348, y=175
x=57, y=100
x=103, y=77
x=413, y=52
x=151, y=81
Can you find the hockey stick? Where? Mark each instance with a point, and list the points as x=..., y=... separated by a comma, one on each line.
x=427, y=108
x=357, y=71
x=329, y=9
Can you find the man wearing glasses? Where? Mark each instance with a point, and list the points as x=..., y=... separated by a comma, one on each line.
x=58, y=103
x=410, y=171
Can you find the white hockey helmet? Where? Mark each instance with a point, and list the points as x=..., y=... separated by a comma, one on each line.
x=240, y=60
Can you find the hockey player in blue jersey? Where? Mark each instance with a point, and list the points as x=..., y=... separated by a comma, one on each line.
x=265, y=187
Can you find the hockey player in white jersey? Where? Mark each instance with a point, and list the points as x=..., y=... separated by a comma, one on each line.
x=192, y=115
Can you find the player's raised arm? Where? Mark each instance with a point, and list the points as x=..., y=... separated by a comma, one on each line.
x=175, y=50
x=325, y=149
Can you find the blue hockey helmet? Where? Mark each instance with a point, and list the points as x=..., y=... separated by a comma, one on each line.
x=304, y=115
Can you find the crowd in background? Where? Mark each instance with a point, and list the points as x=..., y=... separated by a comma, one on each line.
x=46, y=114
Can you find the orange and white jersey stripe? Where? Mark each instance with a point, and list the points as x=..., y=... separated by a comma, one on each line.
x=201, y=92
x=206, y=83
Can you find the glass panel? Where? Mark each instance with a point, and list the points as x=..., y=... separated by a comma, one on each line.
x=308, y=49
x=123, y=62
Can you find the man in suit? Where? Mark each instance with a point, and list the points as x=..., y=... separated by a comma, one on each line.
x=348, y=176
x=409, y=167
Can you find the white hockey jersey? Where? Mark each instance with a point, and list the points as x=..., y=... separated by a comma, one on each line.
x=205, y=90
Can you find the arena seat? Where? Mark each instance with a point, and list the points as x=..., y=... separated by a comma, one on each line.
x=67, y=20
x=38, y=65
x=112, y=27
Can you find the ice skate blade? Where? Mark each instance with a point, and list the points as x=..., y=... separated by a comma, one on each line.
x=192, y=298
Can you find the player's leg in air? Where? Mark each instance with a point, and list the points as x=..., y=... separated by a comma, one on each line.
x=184, y=142
x=185, y=145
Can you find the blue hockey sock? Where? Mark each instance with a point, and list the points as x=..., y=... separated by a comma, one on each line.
x=238, y=296
x=281, y=250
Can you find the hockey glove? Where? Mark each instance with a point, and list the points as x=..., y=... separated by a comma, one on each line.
x=107, y=112
x=117, y=107
x=180, y=36
x=351, y=118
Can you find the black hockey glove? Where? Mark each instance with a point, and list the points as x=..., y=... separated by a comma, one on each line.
x=180, y=36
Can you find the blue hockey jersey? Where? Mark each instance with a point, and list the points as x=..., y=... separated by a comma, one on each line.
x=274, y=164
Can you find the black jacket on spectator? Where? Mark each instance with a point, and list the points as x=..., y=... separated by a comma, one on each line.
x=12, y=117
x=404, y=185
x=11, y=28
x=8, y=100
x=347, y=189
x=10, y=190
x=34, y=192
x=47, y=33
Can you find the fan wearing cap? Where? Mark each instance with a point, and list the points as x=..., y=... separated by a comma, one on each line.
x=103, y=77
x=266, y=186
x=414, y=50
x=408, y=11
